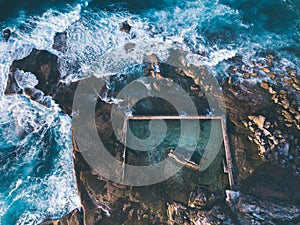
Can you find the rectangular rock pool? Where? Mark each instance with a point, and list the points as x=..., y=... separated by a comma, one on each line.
x=185, y=152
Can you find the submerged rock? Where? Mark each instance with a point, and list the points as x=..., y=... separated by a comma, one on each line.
x=34, y=94
x=6, y=34
x=125, y=27
x=60, y=41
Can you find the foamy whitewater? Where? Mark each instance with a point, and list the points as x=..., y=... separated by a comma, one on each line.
x=37, y=177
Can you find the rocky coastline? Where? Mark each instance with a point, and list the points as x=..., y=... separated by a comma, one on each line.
x=263, y=130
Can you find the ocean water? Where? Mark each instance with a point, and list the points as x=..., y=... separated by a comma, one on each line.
x=37, y=177
x=35, y=142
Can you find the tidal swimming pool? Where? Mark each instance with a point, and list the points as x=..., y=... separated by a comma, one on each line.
x=194, y=145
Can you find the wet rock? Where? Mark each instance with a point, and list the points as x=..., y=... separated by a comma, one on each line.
x=264, y=85
x=64, y=94
x=272, y=76
x=232, y=70
x=229, y=81
x=73, y=218
x=246, y=75
x=259, y=64
x=271, y=142
x=285, y=103
x=219, y=214
x=285, y=150
x=296, y=86
x=272, y=91
x=247, y=96
x=178, y=214
x=152, y=59
x=38, y=75
x=288, y=81
x=287, y=116
x=44, y=65
x=258, y=120
x=125, y=27
x=289, y=70
x=92, y=208
x=198, y=199
x=12, y=86
x=266, y=70
x=283, y=92
x=60, y=41
x=273, y=183
x=250, y=210
x=275, y=99
x=129, y=47
x=34, y=94
x=110, y=203
x=38, y=96
x=6, y=34
x=297, y=160
x=159, y=77
x=194, y=88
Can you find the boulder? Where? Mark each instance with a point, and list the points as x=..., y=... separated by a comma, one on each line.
x=266, y=70
x=246, y=99
x=60, y=41
x=125, y=27
x=73, y=218
x=264, y=85
x=6, y=34
x=198, y=199
x=44, y=65
x=219, y=214
x=258, y=120
x=12, y=86
x=246, y=75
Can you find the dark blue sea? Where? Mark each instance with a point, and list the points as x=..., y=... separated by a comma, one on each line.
x=36, y=168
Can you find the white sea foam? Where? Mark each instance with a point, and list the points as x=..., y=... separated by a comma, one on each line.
x=97, y=46
x=35, y=194
x=37, y=32
x=108, y=99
